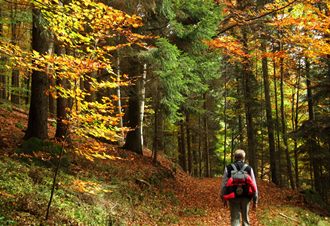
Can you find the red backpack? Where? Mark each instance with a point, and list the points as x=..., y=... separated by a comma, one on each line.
x=240, y=184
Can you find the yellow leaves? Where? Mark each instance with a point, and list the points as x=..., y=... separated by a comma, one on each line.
x=6, y=195
x=86, y=28
x=95, y=150
x=89, y=187
x=84, y=22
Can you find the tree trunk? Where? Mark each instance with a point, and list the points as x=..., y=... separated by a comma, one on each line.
x=295, y=114
x=155, y=143
x=142, y=95
x=27, y=86
x=200, y=152
x=62, y=103
x=52, y=83
x=195, y=153
x=3, y=78
x=284, y=130
x=269, y=117
x=248, y=87
x=189, y=151
x=121, y=124
x=206, y=141
x=15, y=87
x=15, y=72
x=182, y=147
x=239, y=118
x=52, y=100
x=311, y=139
x=279, y=150
x=133, y=140
x=38, y=114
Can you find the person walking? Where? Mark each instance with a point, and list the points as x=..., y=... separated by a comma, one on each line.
x=239, y=197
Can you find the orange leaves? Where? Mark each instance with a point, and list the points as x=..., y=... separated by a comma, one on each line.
x=305, y=29
x=274, y=55
x=229, y=45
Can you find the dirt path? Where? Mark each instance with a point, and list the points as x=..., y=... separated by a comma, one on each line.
x=203, y=194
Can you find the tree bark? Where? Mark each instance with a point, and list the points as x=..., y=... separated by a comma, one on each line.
x=182, y=147
x=269, y=117
x=38, y=113
x=225, y=122
x=62, y=103
x=189, y=151
x=311, y=139
x=121, y=124
x=284, y=130
x=200, y=152
x=206, y=141
x=52, y=100
x=248, y=80
x=3, y=78
x=133, y=140
x=14, y=97
x=155, y=142
x=142, y=95
x=279, y=150
x=295, y=114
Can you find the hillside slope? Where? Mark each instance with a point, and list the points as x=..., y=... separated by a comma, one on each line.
x=100, y=184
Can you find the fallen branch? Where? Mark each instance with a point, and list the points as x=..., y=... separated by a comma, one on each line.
x=287, y=217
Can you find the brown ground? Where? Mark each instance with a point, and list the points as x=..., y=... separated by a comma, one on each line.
x=193, y=193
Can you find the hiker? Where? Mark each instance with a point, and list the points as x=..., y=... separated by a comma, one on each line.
x=239, y=194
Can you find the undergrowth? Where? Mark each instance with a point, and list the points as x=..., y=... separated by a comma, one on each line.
x=291, y=216
x=84, y=198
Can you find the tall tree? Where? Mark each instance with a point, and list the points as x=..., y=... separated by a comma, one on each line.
x=38, y=113
x=2, y=59
x=133, y=140
x=14, y=39
x=61, y=102
x=284, y=127
x=249, y=87
x=311, y=142
x=269, y=118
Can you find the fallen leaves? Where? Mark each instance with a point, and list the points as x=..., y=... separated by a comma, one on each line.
x=89, y=187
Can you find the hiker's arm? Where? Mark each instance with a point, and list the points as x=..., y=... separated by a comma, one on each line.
x=255, y=197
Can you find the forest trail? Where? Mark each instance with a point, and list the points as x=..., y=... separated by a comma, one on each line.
x=204, y=194
x=198, y=199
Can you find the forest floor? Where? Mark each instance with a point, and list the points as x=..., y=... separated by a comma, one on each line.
x=101, y=184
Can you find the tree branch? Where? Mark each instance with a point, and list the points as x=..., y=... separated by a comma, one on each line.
x=255, y=18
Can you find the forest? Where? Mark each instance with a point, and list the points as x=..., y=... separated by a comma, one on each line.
x=126, y=112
